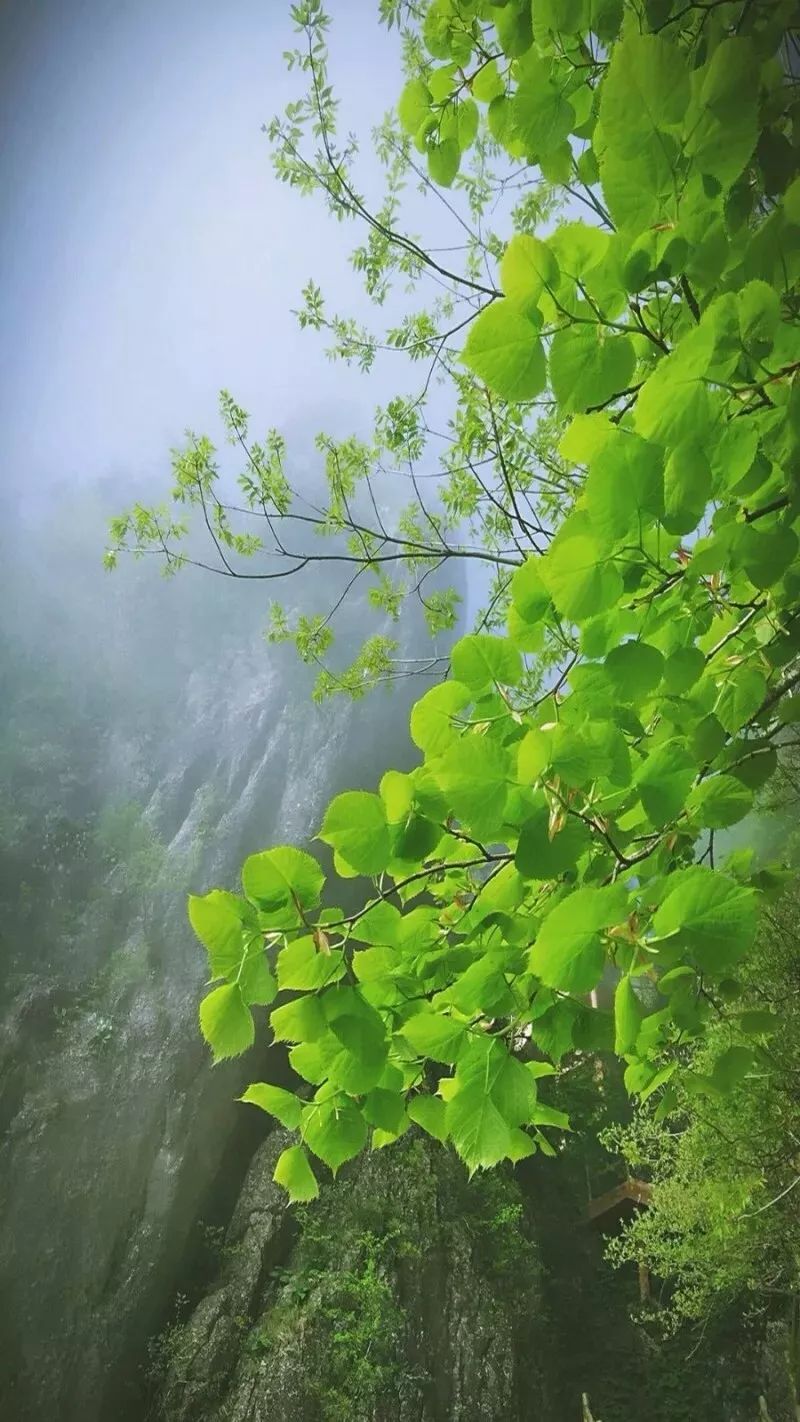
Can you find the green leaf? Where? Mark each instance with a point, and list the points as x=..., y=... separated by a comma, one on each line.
x=533, y=756
x=656, y=1080
x=543, y=1115
x=477, y=1129
x=483, y=987
x=334, y=1130
x=300, y=1021
x=355, y=826
x=520, y=1145
x=356, y=1049
x=504, y=350
x=720, y=801
x=585, y=437
x=226, y=1022
x=543, y=117
x=755, y=769
x=414, y=106
x=588, y=368
x=526, y=636
x=381, y=1138
x=539, y=856
x=528, y=593
x=501, y=125
x=759, y=1022
x=731, y=1067
x=639, y=189
x=673, y=402
x=708, y=738
x=593, y=1030
x=474, y=775
x=664, y=781
x=576, y=756
x=714, y=916
x=303, y=967
x=765, y=557
x=218, y=920
x=294, y=1173
x=561, y=16
x=512, y=1086
x=432, y=1035
x=553, y=1030
x=311, y=1060
x=722, y=123
x=284, y=1105
x=478, y=660
x=740, y=697
x=380, y=924
x=468, y=119
x=687, y=487
x=257, y=984
x=514, y=29
x=605, y=18
x=278, y=876
x=581, y=579
x=636, y=669
x=385, y=1109
x=397, y=792
x=627, y=1017
x=488, y=83
x=432, y=726
x=734, y=453
x=759, y=316
x=624, y=491
x=482, y=1092
x=579, y=249
x=444, y=160
x=682, y=669
x=429, y=1112
x=428, y=794
x=644, y=93
x=440, y=82
x=375, y=965
x=568, y=953
x=527, y=269
x=789, y=710
x=357, y=1063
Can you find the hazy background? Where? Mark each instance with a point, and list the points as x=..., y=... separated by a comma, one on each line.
x=149, y=738
x=147, y=254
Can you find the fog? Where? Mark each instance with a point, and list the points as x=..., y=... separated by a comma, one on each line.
x=149, y=738
x=148, y=255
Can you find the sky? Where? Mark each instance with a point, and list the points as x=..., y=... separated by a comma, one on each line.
x=148, y=256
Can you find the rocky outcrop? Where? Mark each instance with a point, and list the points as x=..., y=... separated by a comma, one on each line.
x=150, y=741
x=408, y=1293
x=405, y=1294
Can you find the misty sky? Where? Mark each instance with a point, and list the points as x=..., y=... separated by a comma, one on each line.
x=148, y=256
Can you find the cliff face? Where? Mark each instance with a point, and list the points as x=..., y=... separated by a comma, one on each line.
x=408, y=1293
x=403, y=1295
x=146, y=746
x=150, y=740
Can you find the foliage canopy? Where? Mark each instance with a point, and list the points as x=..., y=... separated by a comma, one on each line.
x=622, y=449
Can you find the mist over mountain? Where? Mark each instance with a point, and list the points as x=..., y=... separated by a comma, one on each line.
x=150, y=740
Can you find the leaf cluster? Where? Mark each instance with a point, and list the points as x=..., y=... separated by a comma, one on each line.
x=632, y=682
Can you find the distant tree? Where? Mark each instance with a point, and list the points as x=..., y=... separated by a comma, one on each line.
x=622, y=430
x=723, y=1226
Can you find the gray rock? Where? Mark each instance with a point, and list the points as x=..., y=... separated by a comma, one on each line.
x=116, y=1136
x=409, y=1295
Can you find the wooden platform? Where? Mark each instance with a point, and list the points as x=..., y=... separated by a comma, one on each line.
x=608, y=1208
